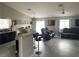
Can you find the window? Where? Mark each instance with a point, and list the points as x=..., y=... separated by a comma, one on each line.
x=39, y=26
x=64, y=23
x=5, y=23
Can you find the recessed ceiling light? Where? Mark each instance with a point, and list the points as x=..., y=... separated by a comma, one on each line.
x=29, y=9
x=60, y=5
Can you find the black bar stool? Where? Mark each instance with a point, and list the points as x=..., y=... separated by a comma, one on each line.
x=37, y=37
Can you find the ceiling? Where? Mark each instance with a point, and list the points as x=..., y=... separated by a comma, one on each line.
x=45, y=9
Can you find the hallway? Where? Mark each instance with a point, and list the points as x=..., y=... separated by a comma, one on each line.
x=59, y=48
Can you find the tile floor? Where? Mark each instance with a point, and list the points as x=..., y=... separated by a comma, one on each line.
x=59, y=48
x=55, y=47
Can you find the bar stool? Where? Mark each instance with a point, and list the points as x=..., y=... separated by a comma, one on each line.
x=37, y=38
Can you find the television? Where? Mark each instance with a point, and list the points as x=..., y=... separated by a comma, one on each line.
x=77, y=22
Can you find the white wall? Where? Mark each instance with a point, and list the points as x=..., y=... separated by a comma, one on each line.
x=11, y=13
x=8, y=12
x=56, y=27
x=72, y=22
x=34, y=24
x=0, y=10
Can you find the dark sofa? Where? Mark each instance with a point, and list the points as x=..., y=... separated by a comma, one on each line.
x=47, y=34
x=70, y=33
x=7, y=37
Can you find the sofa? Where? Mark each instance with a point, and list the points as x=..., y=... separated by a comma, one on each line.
x=70, y=33
x=47, y=34
x=7, y=37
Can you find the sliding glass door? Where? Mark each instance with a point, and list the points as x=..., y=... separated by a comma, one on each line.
x=63, y=23
x=39, y=25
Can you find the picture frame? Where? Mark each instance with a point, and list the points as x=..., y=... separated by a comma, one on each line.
x=51, y=22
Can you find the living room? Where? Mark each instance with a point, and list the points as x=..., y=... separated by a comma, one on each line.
x=25, y=18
